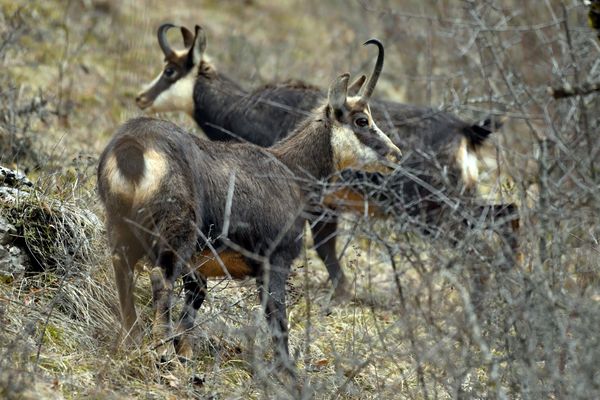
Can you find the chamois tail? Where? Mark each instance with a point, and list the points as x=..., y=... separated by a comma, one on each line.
x=477, y=134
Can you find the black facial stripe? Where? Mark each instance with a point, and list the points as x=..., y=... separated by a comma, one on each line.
x=338, y=114
x=160, y=86
x=164, y=83
x=371, y=139
x=181, y=66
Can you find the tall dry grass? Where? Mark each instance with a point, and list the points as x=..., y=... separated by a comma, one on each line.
x=429, y=319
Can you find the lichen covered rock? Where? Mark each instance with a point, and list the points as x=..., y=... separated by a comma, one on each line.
x=39, y=232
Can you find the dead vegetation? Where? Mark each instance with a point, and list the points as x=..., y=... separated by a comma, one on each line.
x=430, y=318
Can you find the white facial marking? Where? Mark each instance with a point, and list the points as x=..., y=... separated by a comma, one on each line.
x=352, y=99
x=467, y=162
x=155, y=168
x=348, y=151
x=178, y=97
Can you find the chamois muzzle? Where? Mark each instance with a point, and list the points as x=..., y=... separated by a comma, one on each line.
x=394, y=155
x=162, y=40
x=142, y=101
x=370, y=85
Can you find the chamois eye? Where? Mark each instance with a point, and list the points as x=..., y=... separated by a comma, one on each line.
x=361, y=122
x=169, y=72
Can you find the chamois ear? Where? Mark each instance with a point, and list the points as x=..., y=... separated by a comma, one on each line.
x=198, y=47
x=338, y=91
x=355, y=86
x=188, y=37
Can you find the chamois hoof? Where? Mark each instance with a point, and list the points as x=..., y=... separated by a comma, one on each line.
x=520, y=258
x=287, y=374
x=197, y=380
x=286, y=368
x=341, y=294
x=165, y=360
x=184, y=351
x=133, y=338
x=165, y=357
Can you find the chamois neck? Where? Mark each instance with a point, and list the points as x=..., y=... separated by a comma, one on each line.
x=307, y=151
x=225, y=111
x=215, y=97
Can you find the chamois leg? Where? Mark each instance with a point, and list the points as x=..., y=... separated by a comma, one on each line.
x=273, y=296
x=169, y=266
x=324, y=238
x=195, y=288
x=126, y=252
x=504, y=219
x=176, y=231
x=508, y=227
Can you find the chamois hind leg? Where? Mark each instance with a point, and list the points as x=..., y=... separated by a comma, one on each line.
x=126, y=252
x=195, y=288
x=171, y=261
x=505, y=218
x=272, y=295
x=324, y=238
x=502, y=219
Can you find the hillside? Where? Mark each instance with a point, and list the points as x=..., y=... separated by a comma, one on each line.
x=428, y=318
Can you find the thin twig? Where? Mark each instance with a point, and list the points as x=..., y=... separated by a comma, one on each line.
x=578, y=90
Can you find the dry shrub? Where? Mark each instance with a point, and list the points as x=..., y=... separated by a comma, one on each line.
x=433, y=316
x=22, y=108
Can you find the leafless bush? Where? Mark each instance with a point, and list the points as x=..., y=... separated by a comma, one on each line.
x=21, y=108
x=437, y=313
x=472, y=326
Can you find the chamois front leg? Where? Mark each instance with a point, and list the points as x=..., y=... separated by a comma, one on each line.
x=324, y=238
x=272, y=295
x=504, y=220
x=508, y=227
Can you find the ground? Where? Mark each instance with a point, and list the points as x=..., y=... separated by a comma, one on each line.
x=431, y=319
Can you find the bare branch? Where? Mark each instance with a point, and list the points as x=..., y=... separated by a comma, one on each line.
x=570, y=91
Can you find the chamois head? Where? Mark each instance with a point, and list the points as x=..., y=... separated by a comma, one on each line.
x=173, y=88
x=356, y=141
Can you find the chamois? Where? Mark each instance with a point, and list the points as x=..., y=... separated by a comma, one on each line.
x=199, y=208
x=435, y=141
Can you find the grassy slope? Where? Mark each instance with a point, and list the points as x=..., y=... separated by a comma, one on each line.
x=89, y=58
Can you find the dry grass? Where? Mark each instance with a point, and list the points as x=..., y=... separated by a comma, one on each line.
x=452, y=325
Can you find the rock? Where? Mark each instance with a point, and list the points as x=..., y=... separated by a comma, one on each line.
x=41, y=232
x=7, y=231
x=14, y=179
x=13, y=262
x=11, y=195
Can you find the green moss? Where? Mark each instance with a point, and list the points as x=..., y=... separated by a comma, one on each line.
x=53, y=334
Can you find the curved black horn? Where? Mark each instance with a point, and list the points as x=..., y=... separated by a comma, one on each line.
x=370, y=85
x=162, y=39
